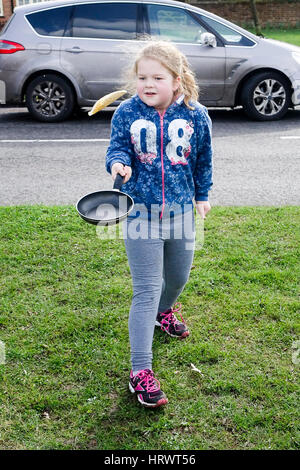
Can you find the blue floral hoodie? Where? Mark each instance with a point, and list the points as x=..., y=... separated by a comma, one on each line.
x=170, y=153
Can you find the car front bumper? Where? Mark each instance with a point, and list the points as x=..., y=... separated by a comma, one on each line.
x=296, y=92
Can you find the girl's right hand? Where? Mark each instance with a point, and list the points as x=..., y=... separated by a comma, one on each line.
x=123, y=170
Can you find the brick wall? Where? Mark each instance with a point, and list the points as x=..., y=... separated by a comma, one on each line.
x=7, y=10
x=271, y=12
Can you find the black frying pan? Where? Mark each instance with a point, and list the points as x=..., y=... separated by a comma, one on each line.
x=106, y=207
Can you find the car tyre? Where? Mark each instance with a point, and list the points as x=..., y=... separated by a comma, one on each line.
x=266, y=96
x=50, y=98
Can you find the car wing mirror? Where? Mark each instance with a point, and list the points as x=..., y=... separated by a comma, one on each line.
x=208, y=39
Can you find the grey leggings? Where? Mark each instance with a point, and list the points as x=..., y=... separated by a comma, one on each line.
x=160, y=266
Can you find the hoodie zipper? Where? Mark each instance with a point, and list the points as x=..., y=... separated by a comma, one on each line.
x=161, y=116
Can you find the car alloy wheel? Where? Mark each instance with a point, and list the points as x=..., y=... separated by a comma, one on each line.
x=50, y=98
x=269, y=97
x=266, y=96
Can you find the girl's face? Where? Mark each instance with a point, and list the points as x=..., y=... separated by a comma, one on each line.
x=156, y=86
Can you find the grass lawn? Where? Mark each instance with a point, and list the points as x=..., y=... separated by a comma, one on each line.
x=286, y=35
x=65, y=296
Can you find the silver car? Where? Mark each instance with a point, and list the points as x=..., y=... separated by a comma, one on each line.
x=59, y=56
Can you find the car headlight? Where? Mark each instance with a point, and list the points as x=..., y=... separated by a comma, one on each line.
x=296, y=56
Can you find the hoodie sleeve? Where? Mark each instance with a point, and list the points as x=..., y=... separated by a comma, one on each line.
x=120, y=148
x=204, y=167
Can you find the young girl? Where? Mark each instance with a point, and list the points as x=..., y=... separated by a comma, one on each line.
x=161, y=145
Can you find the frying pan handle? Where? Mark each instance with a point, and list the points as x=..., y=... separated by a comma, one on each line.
x=118, y=182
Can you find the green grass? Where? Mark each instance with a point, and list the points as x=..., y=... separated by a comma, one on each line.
x=65, y=296
x=291, y=36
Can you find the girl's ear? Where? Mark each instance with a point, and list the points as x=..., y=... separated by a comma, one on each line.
x=176, y=83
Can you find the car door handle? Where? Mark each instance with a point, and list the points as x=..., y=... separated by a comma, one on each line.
x=75, y=50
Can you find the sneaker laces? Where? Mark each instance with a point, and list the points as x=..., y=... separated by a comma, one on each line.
x=169, y=318
x=148, y=379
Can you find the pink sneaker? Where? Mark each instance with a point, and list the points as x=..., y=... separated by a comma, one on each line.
x=169, y=323
x=147, y=389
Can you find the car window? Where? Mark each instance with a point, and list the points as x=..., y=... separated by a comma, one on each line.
x=105, y=20
x=229, y=35
x=50, y=22
x=174, y=24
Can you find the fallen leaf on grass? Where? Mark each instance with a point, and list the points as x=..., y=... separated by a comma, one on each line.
x=196, y=370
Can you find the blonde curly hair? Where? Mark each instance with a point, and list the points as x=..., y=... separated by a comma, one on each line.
x=174, y=61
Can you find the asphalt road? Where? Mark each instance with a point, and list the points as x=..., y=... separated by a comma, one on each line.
x=254, y=163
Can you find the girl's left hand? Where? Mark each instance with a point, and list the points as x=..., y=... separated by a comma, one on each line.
x=203, y=207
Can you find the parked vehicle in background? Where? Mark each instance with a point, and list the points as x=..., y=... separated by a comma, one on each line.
x=60, y=55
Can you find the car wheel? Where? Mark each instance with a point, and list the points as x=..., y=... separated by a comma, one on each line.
x=50, y=98
x=266, y=96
